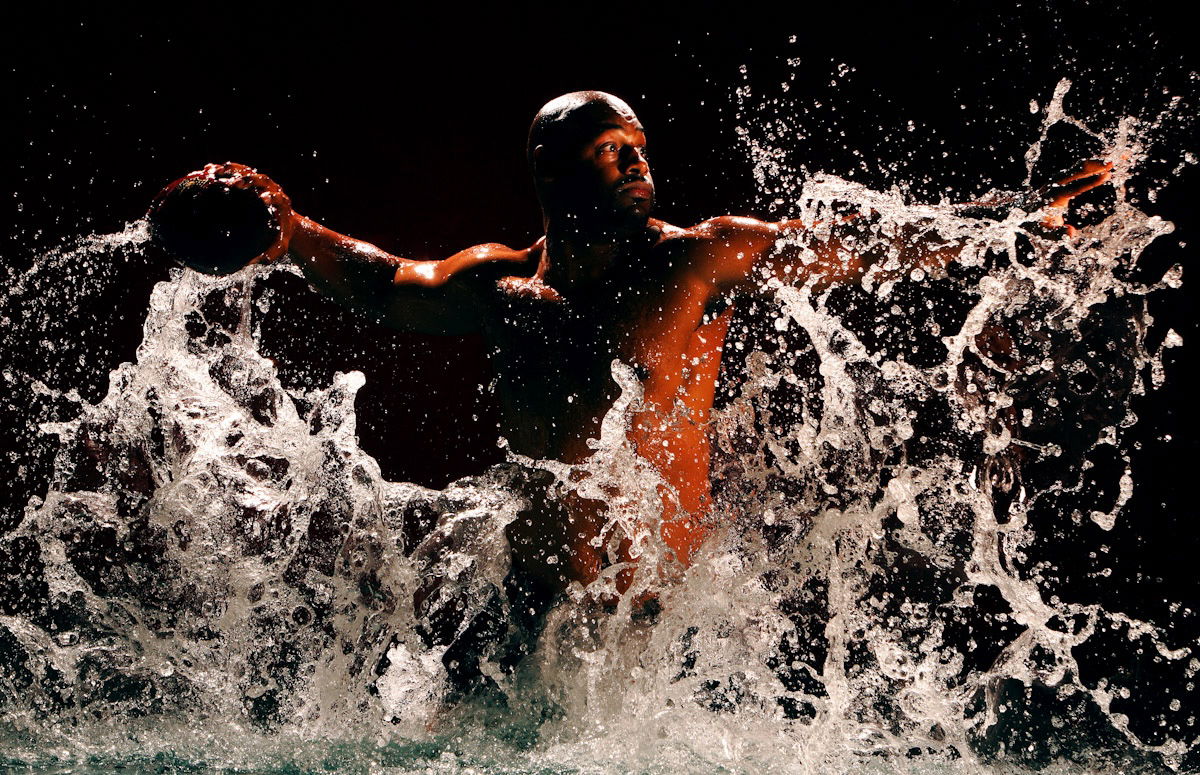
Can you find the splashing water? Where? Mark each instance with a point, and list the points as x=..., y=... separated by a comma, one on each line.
x=223, y=578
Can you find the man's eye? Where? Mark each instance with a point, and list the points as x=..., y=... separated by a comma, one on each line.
x=608, y=148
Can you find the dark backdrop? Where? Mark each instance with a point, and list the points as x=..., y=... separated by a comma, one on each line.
x=406, y=128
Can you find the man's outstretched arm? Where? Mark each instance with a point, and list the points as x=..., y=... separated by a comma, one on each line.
x=746, y=250
x=440, y=297
x=422, y=296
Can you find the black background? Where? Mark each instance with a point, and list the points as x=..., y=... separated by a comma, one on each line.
x=406, y=127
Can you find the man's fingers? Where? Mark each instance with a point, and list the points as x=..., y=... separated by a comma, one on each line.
x=1092, y=174
x=1087, y=169
x=240, y=176
x=1083, y=184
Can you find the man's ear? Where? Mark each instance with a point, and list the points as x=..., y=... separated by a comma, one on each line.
x=541, y=164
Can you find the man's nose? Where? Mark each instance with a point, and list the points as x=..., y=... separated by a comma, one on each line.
x=633, y=160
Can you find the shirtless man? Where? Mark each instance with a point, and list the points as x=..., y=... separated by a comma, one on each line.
x=606, y=282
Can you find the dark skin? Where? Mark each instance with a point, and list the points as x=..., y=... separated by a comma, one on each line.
x=605, y=282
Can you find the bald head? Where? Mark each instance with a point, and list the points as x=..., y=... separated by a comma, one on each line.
x=565, y=122
x=587, y=152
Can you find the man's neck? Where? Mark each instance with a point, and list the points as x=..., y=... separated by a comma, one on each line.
x=577, y=257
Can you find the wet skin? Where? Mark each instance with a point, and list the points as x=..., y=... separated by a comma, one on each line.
x=605, y=282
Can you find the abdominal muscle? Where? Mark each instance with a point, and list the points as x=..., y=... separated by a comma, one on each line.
x=671, y=433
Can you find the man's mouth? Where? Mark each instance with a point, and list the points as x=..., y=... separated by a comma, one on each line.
x=637, y=188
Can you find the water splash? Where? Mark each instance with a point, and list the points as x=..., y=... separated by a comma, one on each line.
x=220, y=572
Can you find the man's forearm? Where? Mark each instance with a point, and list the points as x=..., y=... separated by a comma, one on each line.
x=844, y=251
x=355, y=272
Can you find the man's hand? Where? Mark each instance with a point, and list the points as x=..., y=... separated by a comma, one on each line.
x=1053, y=199
x=222, y=218
x=1058, y=195
x=280, y=204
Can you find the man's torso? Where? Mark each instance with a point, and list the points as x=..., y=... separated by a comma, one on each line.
x=553, y=354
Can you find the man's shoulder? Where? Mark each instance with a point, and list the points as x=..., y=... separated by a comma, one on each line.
x=505, y=260
x=712, y=230
x=722, y=252
x=717, y=240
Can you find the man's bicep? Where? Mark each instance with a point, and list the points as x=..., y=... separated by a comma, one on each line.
x=448, y=296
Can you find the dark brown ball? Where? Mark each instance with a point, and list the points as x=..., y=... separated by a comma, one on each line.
x=211, y=227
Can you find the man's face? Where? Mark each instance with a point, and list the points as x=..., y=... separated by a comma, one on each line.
x=613, y=175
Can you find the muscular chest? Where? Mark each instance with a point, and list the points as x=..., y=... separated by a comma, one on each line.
x=577, y=338
x=553, y=356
